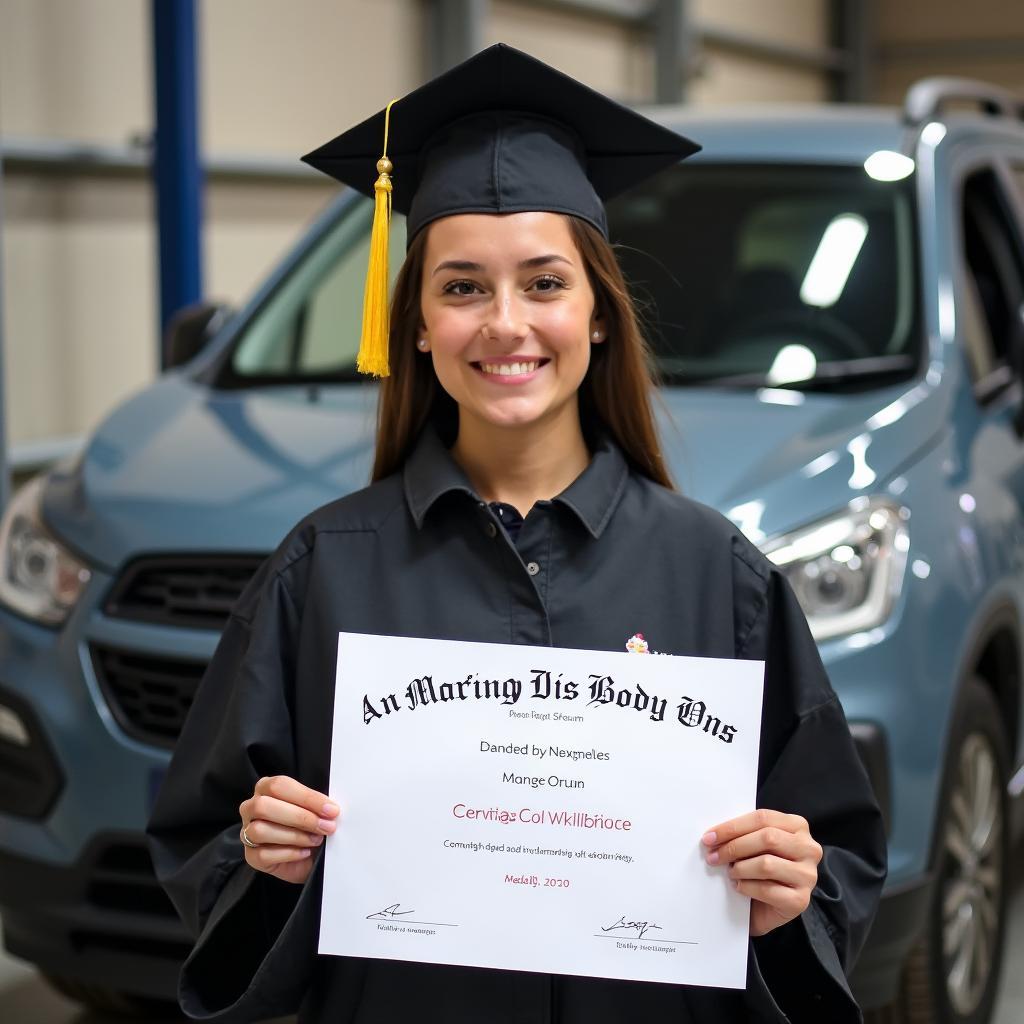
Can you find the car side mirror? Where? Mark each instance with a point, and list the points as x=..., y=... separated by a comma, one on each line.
x=190, y=329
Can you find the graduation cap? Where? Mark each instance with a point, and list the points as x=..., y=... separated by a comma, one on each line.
x=500, y=133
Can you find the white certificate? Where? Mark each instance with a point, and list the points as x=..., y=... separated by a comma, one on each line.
x=538, y=809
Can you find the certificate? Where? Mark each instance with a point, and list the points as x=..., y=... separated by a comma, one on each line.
x=538, y=809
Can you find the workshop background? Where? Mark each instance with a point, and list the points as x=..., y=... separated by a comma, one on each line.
x=276, y=79
x=80, y=291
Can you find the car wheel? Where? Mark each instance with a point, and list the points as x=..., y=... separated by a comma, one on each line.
x=951, y=976
x=110, y=1001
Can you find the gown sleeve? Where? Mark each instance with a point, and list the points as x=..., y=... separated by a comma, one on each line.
x=254, y=934
x=810, y=766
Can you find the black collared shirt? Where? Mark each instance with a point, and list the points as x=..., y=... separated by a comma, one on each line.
x=420, y=554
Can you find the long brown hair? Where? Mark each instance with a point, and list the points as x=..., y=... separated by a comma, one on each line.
x=615, y=394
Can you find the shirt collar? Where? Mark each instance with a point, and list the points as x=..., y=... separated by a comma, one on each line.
x=595, y=493
x=430, y=472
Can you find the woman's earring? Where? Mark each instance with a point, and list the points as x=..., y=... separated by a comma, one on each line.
x=597, y=335
x=422, y=344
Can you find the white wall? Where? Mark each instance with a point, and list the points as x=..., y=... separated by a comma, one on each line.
x=981, y=39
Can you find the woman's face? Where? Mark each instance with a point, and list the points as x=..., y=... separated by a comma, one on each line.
x=508, y=317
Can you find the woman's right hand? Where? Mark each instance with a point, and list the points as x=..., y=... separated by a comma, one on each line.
x=286, y=821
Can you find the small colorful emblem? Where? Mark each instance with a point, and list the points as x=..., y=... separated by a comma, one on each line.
x=636, y=644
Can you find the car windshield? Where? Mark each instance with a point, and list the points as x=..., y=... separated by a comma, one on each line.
x=771, y=275
x=745, y=276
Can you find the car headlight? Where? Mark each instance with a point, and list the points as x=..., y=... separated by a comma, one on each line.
x=39, y=578
x=846, y=570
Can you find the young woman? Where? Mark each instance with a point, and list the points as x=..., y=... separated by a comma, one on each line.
x=519, y=496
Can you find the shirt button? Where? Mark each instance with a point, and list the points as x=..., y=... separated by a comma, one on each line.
x=492, y=530
x=532, y=568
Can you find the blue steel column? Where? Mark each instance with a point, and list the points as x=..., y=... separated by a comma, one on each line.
x=176, y=167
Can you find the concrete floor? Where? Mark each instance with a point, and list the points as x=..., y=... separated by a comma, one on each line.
x=26, y=999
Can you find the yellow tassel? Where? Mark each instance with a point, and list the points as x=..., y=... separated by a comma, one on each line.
x=373, y=343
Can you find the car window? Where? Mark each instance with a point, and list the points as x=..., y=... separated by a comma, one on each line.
x=744, y=268
x=994, y=267
x=974, y=330
x=310, y=327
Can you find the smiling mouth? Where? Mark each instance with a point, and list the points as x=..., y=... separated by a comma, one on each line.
x=518, y=369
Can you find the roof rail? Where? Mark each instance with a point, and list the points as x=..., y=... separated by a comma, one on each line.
x=925, y=99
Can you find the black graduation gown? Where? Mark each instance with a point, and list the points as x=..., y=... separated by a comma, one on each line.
x=418, y=554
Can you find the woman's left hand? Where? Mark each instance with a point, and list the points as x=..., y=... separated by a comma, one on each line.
x=771, y=858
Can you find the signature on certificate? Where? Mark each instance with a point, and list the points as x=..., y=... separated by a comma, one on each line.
x=389, y=913
x=641, y=926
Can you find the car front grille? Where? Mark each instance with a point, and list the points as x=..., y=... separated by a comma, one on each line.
x=190, y=591
x=149, y=694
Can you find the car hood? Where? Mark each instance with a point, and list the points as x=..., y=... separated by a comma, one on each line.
x=774, y=459
x=182, y=468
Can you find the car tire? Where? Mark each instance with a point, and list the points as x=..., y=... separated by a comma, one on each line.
x=110, y=1001
x=952, y=974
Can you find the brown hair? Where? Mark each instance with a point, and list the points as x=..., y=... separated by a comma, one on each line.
x=615, y=394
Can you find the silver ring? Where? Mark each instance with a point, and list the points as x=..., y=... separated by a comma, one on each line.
x=244, y=836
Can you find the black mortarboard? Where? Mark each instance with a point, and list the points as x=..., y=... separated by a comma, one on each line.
x=500, y=133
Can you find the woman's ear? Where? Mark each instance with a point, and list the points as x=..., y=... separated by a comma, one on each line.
x=597, y=329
